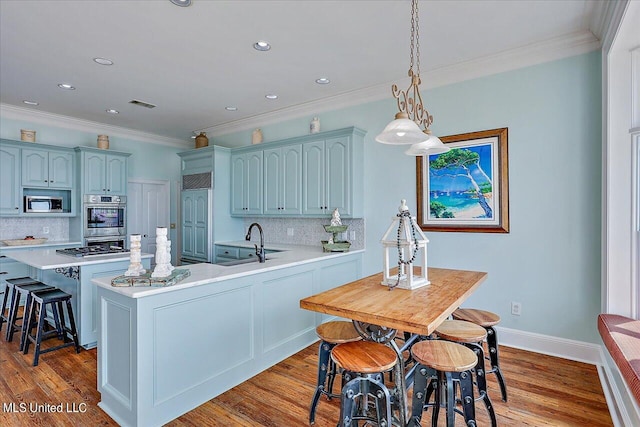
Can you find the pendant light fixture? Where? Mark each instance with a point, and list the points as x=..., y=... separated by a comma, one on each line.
x=406, y=128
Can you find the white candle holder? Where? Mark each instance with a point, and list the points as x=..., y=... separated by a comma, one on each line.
x=163, y=257
x=135, y=266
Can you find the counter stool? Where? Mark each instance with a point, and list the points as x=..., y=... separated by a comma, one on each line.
x=440, y=365
x=39, y=301
x=18, y=291
x=8, y=297
x=487, y=320
x=330, y=334
x=470, y=335
x=364, y=364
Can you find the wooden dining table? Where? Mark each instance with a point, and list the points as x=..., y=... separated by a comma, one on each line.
x=378, y=312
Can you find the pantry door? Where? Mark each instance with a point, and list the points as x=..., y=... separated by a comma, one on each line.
x=147, y=208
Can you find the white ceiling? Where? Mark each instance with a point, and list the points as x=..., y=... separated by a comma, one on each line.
x=192, y=62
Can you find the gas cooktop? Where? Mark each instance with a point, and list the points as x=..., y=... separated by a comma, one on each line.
x=92, y=250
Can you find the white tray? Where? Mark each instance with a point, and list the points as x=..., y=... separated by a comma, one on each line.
x=25, y=242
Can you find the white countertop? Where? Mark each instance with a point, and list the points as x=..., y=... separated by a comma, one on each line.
x=48, y=259
x=291, y=256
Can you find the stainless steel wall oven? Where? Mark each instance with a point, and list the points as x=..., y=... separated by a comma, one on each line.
x=104, y=218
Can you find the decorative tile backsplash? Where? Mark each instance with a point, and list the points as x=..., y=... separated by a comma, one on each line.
x=18, y=228
x=306, y=231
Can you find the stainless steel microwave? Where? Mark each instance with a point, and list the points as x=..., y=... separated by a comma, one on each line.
x=42, y=204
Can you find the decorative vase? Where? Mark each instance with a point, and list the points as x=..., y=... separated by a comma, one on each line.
x=256, y=136
x=103, y=142
x=202, y=140
x=314, y=126
x=28, y=135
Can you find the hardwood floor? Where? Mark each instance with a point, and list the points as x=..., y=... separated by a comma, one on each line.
x=543, y=390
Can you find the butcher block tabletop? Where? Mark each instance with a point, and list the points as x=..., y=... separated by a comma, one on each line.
x=418, y=311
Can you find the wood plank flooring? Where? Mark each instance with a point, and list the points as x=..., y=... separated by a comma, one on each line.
x=543, y=391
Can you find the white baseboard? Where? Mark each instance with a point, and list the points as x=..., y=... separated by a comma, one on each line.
x=622, y=414
x=553, y=346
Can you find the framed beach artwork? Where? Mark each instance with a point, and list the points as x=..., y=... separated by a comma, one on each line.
x=467, y=188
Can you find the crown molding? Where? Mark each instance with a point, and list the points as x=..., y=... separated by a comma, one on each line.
x=51, y=119
x=549, y=50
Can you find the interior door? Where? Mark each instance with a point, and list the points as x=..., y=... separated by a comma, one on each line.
x=147, y=208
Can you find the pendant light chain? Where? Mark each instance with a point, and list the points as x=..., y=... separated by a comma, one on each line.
x=415, y=22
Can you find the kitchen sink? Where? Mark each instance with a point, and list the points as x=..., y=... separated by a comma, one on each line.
x=239, y=262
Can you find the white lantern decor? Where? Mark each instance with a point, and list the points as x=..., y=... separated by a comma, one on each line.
x=405, y=238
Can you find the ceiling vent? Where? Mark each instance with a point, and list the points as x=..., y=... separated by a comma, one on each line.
x=141, y=103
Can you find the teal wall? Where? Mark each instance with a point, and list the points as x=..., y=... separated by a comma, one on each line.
x=550, y=261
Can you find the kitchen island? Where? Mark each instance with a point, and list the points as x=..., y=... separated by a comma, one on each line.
x=164, y=351
x=73, y=275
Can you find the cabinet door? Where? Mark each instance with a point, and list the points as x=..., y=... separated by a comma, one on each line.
x=61, y=168
x=313, y=178
x=272, y=182
x=187, y=202
x=10, y=178
x=201, y=225
x=116, y=175
x=291, y=180
x=238, y=173
x=254, y=183
x=35, y=168
x=338, y=179
x=94, y=173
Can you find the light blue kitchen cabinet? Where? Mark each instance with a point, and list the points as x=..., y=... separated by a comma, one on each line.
x=246, y=183
x=42, y=168
x=305, y=176
x=283, y=180
x=103, y=173
x=196, y=228
x=328, y=177
x=10, y=200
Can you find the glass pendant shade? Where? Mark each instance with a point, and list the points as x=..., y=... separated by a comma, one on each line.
x=401, y=131
x=433, y=145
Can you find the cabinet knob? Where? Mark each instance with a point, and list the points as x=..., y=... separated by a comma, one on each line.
x=144, y=235
x=3, y=272
x=104, y=189
x=3, y=256
x=46, y=180
x=17, y=207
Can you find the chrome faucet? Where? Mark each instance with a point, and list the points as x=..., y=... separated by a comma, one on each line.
x=259, y=251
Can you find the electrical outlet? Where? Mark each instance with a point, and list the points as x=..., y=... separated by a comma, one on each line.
x=516, y=308
x=353, y=235
x=45, y=230
x=290, y=232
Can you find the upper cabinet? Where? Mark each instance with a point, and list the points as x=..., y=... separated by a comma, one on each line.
x=307, y=176
x=33, y=169
x=103, y=173
x=282, y=180
x=246, y=183
x=10, y=202
x=47, y=168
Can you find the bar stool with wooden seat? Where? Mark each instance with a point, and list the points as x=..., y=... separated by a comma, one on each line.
x=39, y=302
x=364, y=364
x=470, y=335
x=487, y=320
x=441, y=364
x=9, y=292
x=26, y=291
x=330, y=334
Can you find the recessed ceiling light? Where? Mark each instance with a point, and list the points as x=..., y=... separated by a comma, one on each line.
x=181, y=3
x=323, y=81
x=66, y=86
x=271, y=96
x=231, y=108
x=261, y=45
x=103, y=61
x=112, y=111
x=31, y=102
